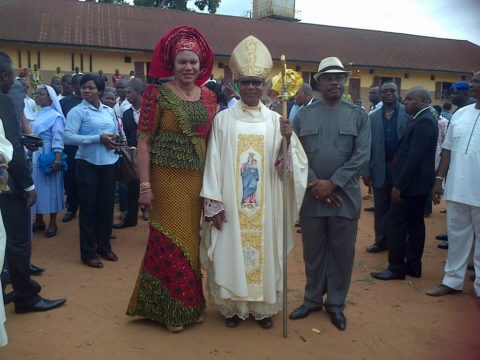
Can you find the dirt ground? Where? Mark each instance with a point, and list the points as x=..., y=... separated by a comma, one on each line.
x=393, y=319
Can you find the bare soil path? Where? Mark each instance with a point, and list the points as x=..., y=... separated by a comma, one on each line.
x=385, y=320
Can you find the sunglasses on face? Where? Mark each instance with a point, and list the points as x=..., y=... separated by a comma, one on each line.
x=247, y=82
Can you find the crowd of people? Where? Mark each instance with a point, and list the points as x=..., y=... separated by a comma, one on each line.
x=216, y=166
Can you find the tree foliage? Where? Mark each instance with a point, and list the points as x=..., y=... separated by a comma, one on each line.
x=113, y=1
x=211, y=5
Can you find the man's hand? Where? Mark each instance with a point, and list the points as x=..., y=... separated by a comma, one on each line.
x=218, y=220
x=321, y=189
x=437, y=192
x=367, y=181
x=286, y=129
x=395, y=196
x=333, y=200
x=31, y=197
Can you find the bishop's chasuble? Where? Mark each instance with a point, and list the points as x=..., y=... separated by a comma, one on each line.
x=244, y=259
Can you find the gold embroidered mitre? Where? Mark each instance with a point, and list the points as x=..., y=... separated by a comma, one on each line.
x=250, y=58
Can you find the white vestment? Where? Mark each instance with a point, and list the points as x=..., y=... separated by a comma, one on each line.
x=6, y=150
x=244, y=259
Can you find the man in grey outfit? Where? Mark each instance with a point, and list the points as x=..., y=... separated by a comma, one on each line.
x=336, y=137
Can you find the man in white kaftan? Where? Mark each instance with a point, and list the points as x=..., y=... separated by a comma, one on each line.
x=243, y=193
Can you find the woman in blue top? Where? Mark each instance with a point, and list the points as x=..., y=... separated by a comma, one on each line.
x=48, y=124
x=92, y=126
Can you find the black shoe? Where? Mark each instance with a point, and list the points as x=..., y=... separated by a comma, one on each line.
x=51, y=233
x=338, y=319
x=302, y=312
x=123, y=224
x=371, y=209
x=375, y=248
x=38, y=226
x=35, y=270
x=387, y=274
x=41, y=305
x=68, y=216
x=266, y=323
x=8, y=298
x=442, y=237
x=470, y=267
x=443, y=245
x=233, y=321
x=415, y=273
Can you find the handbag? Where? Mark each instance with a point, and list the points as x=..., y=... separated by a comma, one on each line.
x=127, y=163
x=31, y=140
x=45, y=160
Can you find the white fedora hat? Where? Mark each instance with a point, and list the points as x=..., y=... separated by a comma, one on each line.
x=330, y=65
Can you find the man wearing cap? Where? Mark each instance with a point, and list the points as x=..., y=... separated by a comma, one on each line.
x=336, y=137
x=243, y=191
x=460, y=94
x=460, y=97
x=461, y=162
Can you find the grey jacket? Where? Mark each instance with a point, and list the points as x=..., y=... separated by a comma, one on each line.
x=376, y=168
x=337, y=144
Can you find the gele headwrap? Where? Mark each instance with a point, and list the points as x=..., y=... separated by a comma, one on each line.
x=176, y=40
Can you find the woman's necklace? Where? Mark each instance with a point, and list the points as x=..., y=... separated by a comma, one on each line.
x=185, y=96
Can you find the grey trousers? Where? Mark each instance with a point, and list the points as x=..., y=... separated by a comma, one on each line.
x=328, y=252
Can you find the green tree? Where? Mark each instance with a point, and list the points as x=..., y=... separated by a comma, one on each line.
x=211, y=5
x=113, y=1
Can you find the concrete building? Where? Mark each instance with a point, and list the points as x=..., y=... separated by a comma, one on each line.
x=94, y=36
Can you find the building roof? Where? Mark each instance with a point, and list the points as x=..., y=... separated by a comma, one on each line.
x=137, y=29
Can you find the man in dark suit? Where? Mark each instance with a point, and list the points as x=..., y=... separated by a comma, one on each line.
x=413, y=176
x=135, y=89
x=388, y=125
x=16, y=204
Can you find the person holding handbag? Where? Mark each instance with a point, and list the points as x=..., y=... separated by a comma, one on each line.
x=49, y=125
x=93, y=127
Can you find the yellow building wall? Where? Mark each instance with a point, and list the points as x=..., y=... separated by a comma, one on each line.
x=49, y=57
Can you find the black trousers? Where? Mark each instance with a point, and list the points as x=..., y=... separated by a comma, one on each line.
x=133, y=193
x=96, y=189
x=381, y=202
x=406, y=234
x=70, y=179
x=17, y=221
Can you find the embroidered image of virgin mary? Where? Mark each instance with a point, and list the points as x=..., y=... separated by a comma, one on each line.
x=249, y=172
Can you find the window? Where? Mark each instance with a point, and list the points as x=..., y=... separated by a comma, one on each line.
x=441, y=89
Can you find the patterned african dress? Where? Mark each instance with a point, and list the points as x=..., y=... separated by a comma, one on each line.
x=169, y=285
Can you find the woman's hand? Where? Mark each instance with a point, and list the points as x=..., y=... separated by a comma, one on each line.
x=146, y=200
x=56, y=167
x=110, y=141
